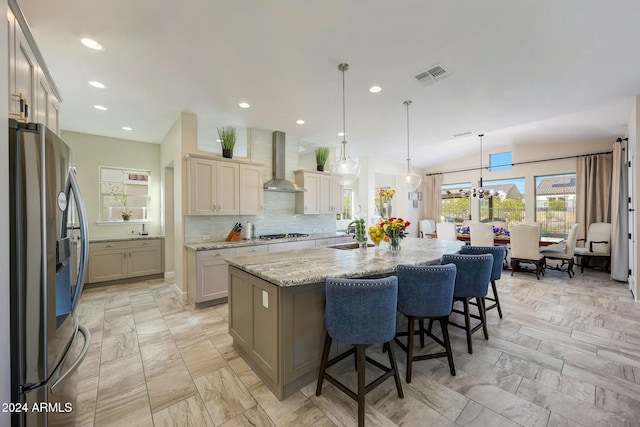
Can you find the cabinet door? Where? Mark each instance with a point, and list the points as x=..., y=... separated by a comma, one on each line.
x=26, y=70
x=228, y=188
x=202, y=191
x=53, y=114
x=144, y=258
x=324, y=194
x=308, y=202
x=264, y=345
x=336, y=196
x=108, y=264
x=251, y=192
x=212, y=280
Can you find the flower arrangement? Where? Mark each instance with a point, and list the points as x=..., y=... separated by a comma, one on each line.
x=119, y=194
x=394, y=230
x=386, y=195
x=384, y=202
x=497, y=231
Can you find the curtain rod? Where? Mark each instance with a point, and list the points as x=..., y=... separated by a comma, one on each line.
x=521, y=163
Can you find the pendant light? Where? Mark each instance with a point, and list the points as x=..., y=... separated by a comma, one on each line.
x=411, y=178
x=345, y=169
x=481, y=192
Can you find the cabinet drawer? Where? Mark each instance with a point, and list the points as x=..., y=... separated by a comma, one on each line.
x=101, y=246
x=216, y=254
x=252, y=250
x=150, y=244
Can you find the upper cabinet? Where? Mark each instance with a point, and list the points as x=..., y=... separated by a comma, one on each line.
x=323, y=195
x=33, y=96
x=224, y=187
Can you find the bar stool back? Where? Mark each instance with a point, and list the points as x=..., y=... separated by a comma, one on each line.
x=360, y=312
x=499, y=252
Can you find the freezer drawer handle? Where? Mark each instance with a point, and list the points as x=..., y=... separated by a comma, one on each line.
x=87, y=339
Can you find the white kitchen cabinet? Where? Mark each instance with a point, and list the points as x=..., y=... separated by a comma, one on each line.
x=208, y=275
x=214, y=187
x=323, y=195
x=330, y=241
x=252, y=250
x=32, y=97
x=291, y=246
x=251, y=191
x=124, y=259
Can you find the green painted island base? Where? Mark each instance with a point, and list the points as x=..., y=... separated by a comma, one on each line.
x=278, y=331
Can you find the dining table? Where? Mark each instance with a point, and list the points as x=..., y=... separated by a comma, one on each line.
x=505, y=240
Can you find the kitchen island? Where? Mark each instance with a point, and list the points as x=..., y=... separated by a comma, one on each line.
x=276, y=303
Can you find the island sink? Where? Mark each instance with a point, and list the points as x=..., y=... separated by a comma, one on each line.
x=349, y=246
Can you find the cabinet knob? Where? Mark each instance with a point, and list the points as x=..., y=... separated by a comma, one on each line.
x=107, y=246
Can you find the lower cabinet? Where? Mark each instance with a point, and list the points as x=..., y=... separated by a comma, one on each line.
x=208, y=275
x=124, y=259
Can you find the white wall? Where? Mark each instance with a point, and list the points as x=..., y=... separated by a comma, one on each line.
x=90, y=152
x=634, y=193
x=5, y=368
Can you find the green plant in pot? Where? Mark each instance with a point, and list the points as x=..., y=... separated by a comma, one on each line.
x=227, y=137
x=322, y=154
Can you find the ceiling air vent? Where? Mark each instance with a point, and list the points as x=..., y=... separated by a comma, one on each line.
x=431, y=75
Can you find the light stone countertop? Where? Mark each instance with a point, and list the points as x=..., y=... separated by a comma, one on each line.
x=205, y=246
x=305, y=266
x=125, y=238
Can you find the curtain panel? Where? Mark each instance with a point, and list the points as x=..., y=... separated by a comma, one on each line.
x=619, y=214
x=593, y=190
x=432, y=197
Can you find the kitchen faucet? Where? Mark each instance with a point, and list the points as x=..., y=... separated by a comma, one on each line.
x=349, y=227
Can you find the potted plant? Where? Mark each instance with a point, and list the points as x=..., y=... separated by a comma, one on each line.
x=227, y=140
x=322, y=154
x=119, y=194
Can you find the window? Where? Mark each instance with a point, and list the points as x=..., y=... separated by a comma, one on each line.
x=122, y=192
x=347, y=203
x=455, y=204
x=500, y=162
x=556, y=203
x=508, y=203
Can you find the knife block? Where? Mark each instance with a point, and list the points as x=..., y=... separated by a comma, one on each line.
x=233, y=236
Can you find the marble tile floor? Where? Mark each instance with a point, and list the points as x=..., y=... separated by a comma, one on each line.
x=566, y=353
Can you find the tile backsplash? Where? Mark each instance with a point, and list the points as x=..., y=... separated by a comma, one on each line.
x=279, y=217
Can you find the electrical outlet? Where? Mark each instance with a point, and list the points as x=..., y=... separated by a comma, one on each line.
x=206, y=237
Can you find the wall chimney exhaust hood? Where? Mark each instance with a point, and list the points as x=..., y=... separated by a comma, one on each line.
x=279, y=183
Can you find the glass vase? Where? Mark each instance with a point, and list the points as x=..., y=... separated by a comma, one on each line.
x=394, y=245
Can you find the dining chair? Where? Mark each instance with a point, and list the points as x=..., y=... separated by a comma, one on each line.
x=499, y=253
x=597, y=245
x=525, y=249
x=472, y=281
x=426, y=227
x=565, y=252
x=446, y=231
x=360, y=312
x=481, y=234
x=425, y=292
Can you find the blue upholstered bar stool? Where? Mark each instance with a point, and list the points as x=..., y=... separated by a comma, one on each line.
x=472, y=281
x=426, y=292
x=498, y=252
x=360, y=312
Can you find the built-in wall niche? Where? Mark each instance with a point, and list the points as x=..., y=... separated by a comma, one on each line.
x=208, y=140
x=124, y=194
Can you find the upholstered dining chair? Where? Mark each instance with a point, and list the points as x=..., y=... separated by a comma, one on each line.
x=597, y=245
x=360, y=312
x=564, y=252
x=472, y=281
x=426, y=228
x=481, y=234
x=525, y=241
x=425, y=292
x=446, y=231
x=498, y=252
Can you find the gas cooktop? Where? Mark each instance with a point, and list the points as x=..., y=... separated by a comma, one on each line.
x=282, y=236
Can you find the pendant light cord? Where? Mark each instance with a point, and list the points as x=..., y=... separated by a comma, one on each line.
x=343, y=67
x=481, y=135
x=407, y=103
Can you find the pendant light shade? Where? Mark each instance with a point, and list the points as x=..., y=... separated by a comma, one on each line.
x=345, y=169
x=411, y=178
x=480, y=191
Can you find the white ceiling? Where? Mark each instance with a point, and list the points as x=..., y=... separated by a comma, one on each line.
x=519, y=71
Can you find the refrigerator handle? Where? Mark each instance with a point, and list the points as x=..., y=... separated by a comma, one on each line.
x=84, y=237
x=85, y=347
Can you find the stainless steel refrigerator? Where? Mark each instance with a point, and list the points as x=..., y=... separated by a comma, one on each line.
x=49, y=254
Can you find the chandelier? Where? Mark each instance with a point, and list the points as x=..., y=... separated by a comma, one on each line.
x=480, y=191
x=411, y=178
x=344, y=168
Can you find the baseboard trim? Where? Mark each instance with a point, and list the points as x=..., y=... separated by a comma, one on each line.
x=169, y=274
x=182, y=294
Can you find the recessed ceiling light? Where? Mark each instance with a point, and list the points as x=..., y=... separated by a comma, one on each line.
x=91, y=44
x=127, y=128
x=341, y=134
x=300, y=122
x=100, y=107
x=375, y=89
x=244, y=105
x=97, y=84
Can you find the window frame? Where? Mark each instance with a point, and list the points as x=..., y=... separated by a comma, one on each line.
x=109, y=213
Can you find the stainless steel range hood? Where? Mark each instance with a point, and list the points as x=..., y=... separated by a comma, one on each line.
x=279, y=183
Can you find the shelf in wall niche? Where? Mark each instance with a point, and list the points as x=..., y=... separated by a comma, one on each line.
x=131, y=221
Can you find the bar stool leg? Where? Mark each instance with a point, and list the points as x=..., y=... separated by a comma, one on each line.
x=323, y=362
x=360, y=356
x=410, y=341
x=495, y=296
x=394, y=366
x=444, y=321
x=467, y=324
x=483, y=316
x=421, y=326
